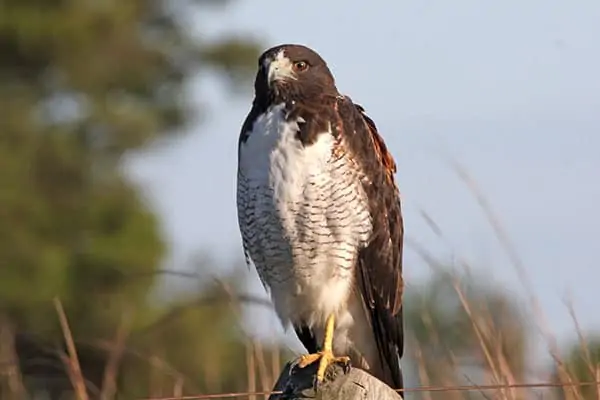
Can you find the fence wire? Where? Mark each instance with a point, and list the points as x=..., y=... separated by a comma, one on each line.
x=459, y=388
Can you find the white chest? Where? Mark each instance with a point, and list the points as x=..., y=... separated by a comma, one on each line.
x=304, y=214
x=312, y=198
x=272, y=157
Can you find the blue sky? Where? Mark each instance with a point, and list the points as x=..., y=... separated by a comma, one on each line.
x=510, y=89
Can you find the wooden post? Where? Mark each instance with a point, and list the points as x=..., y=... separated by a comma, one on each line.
x=298, y=384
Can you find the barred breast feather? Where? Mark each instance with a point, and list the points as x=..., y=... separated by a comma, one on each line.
x=303, y=215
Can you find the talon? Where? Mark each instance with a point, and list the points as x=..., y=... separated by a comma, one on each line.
x=325, y=358
x=308, y=359
x=347, y=366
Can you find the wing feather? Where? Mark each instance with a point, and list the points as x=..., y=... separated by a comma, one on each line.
x=379, y=269
x=246, y=201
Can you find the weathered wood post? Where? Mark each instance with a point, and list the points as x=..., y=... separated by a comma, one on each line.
x=297, y=384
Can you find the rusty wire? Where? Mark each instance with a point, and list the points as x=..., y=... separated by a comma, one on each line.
x=460, y=388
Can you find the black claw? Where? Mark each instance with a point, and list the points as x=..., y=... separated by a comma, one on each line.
x=316, y=383
x=347, y=367
x=294, y=365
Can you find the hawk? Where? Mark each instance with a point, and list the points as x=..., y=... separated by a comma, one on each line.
x=320, y=215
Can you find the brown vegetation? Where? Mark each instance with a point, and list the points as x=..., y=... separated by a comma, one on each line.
x=84, y=84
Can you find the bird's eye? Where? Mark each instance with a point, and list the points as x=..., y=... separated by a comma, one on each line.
x=300, y=66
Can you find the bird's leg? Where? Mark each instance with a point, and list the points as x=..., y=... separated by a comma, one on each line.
x=325, y=356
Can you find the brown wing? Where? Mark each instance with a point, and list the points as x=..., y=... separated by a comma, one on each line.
x=379, y=272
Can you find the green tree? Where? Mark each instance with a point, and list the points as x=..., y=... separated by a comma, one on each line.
x=82, y=83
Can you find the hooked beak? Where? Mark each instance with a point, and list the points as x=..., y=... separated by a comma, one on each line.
x=279, y=69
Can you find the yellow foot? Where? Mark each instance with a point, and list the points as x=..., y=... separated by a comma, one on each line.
x=325, y=358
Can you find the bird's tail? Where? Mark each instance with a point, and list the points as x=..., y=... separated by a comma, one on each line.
x=393, y=377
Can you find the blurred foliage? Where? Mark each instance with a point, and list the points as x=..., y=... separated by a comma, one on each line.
x=82, y=83
x=198, y=343
x=582, y=363
x=462, y=331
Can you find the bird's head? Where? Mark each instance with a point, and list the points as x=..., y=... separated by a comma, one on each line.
x=291, y=72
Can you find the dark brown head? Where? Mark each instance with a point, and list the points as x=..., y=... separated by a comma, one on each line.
x=292, y=72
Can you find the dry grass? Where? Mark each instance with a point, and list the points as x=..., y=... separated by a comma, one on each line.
x=262, y=370
x=496, y=368
x=489, y=361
